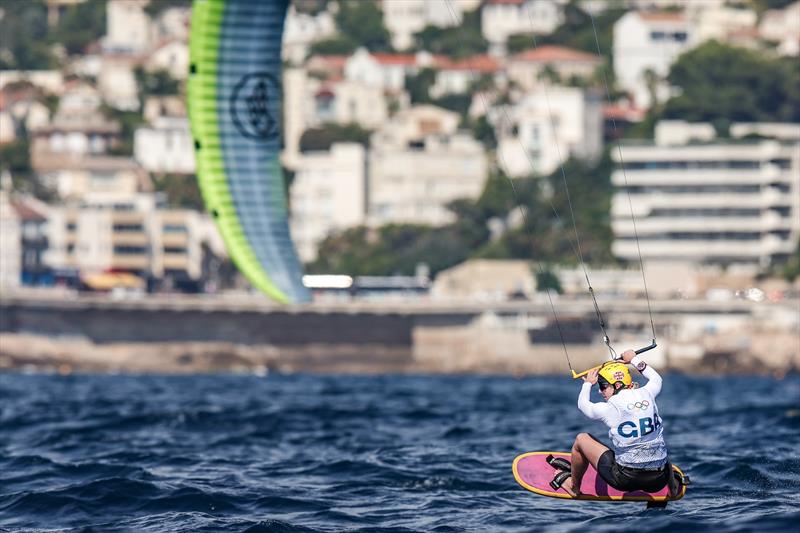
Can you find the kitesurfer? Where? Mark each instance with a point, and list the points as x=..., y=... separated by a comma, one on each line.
x=638, y=460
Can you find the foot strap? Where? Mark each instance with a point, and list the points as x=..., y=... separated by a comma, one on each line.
x=559, y=480
x=559, y=463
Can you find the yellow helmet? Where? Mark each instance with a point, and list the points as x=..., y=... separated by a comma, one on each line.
x=615, y=371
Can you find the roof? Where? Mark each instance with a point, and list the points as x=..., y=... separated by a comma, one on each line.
x=395, y=59
x=555, y=54
x=327, y=62
x=26, y=210
x=479, y=63
x=662, y=16
x=618, y=112
x=504, y=2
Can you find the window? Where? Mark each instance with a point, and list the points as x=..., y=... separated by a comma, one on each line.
x=657, y=35
x=128, y=228
x=129, y=250
x=174, y=250
x=175, y=228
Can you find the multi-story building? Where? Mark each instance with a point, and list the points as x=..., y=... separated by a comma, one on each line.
x=32, y=216
x=527, y=69
x=99, y=176
x=10, y=243
x=301, y=30
x=645, y=46
x=546, y=128
x=128, y=27
x=783, y=26
x=328, y=194
x=418, y=164
x=166, y=146
x=135, y=237
x=457, y=76
x=717, y=202
x=404, y=19
x=502, y=18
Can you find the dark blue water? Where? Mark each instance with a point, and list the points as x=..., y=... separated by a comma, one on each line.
x=334, y=453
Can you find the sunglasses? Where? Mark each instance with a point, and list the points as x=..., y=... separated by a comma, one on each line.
x=603, y=385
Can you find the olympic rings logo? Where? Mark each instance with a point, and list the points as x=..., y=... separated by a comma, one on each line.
x=644, y=404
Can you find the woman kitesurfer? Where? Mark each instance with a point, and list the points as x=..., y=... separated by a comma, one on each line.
x=638, y=460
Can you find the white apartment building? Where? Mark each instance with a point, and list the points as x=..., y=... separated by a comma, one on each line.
x=385, y=71
x=95, y=177
x=649, y=42
x=418, y=164
x=457, y=76
x=547, y=127
x=719, y=21
x=301, y=30
x=134, y=237
x=783, y=26
x=404, y=19
x=128, y=27
x=165, y=147
x=526, y=69
x=117, y=82
x=328, y=194
x=310, y=102
x=502, y=18
x=171, y=56
x=719, y=202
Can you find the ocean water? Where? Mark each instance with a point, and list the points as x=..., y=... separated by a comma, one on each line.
x=380, y=453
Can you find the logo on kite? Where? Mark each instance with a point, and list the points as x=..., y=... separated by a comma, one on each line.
x=250, y=106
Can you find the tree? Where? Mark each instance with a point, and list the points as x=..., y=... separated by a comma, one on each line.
x=546, y=280
x=362, y=23
x=419, y=85
x=322, y=138
x=720, y=82
x=334, y=46
x=457, y=42
x=181, y=190
x=81, y=25
x=24, y=46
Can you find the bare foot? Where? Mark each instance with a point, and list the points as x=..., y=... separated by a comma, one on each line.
x=567, y=486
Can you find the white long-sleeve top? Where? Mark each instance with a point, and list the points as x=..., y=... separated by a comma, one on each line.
x=635, y=428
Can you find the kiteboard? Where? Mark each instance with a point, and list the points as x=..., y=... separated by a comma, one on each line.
x=533, y=471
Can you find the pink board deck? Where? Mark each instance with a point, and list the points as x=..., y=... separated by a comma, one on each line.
x=532, y=472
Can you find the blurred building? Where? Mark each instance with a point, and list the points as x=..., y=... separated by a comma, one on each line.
x=419, y=163
x=91, y=178
x=645, y=46
x=328, y=194
x=782, y=26
x=128, y=27
x=385, y=71
x=501, y=19
x=547, y=127
x=32, y=218
x=529, y=69
x=165, y=147
x=137, y=238
x=707, y=200
x=485, y=280
x=312, y=102
x=10, y=243
x=171, y=56
x=458, y=76
x=404, y=19
x=301, y=30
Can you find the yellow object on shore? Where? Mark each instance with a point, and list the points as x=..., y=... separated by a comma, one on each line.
x=113, y=280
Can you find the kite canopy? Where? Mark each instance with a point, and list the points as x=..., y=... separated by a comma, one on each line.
x=234, y=106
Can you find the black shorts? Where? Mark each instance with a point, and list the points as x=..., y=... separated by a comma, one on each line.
x=629, y=479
